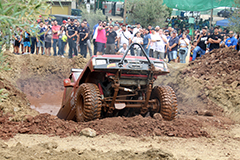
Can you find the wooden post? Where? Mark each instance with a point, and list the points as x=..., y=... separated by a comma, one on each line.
x=124, y=12
x=211, y=20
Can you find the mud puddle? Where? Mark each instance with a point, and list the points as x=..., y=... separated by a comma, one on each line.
x=47, y=103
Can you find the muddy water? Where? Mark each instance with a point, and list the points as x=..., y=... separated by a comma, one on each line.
x=47, y=103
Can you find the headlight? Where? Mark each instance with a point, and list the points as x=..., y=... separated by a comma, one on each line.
x=159, y=65
x=99, y=61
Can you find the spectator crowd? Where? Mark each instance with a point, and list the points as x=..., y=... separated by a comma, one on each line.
x=168, y=43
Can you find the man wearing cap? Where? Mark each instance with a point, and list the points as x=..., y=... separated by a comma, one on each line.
x=55, y=29
x=72, y=38
x=201, y=44
x=154, y=38
x=172, y=46
x=160, y=45
x=82, y=39
x=214, y=39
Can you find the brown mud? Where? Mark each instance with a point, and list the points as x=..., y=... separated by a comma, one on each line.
x=207, y=91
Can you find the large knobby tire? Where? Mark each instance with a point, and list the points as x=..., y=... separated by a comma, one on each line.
x=88, y=102
x=166, y=102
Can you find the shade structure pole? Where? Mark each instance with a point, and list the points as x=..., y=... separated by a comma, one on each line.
x=124, y=13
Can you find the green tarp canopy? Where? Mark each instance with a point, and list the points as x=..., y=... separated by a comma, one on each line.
x=197, y=5
x=114, y=0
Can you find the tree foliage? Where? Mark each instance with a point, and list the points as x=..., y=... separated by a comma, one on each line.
x=234, y=23
x=92, y=17
x=20, y=13
x=147, y=12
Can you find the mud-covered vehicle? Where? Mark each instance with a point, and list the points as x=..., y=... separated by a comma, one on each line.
x=117, y=85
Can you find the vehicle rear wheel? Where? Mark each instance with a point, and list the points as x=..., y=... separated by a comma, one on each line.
x=166, y=102
x=88, y=102
x=220, y=15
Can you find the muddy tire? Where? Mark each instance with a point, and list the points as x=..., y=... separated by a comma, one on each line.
x=166, y=101
x=88, y=102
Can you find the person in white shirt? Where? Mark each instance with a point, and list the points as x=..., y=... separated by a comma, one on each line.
x=154, y=38
x=160, y=45
x=137, y=29
x=183, y=44
x=123, y=50
x=124, y=37
x=138, y=39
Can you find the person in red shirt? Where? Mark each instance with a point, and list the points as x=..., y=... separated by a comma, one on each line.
x=55, y=29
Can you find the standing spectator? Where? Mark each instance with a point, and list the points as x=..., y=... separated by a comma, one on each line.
x=17, y=40
x=214, y=39
x=26, y=42
x=83, y=34
x=137, y=29
x=116, y=29
x=77, y=23
x=89, y=46
x=95, y=30
x=41, y=33
x=48, y=40
x=201, y=44
x=183, y=45
x=55, y=29
x=166, y=49
x=231, y=41
x=33, y=40
x=172, y=46
x=124, y=37
x=160, y=45
x=154, y=38
x=111, y=37
x=146, y=41
x=101, y=38
x=138, y=39
x=72, y=38
x=61, y=41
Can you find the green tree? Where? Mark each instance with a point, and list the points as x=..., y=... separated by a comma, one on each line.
x=234, y=22
x=147, y=12
x=92, y=17
x=19, y=13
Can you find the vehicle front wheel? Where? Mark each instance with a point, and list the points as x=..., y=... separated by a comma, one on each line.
x=88, y=102
x=166, y=102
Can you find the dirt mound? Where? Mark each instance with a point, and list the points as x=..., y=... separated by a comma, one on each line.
x=28, y=66
x=34, y=75
x=210, y=82
x=190, y=92
x=135, y=126
x=14, y=101
x=218, y=71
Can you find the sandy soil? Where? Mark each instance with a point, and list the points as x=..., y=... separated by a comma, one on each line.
x=223, y=145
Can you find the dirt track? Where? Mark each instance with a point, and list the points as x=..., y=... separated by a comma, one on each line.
x=40, y=78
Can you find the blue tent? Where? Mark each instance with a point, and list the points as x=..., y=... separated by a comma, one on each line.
x=224, y=23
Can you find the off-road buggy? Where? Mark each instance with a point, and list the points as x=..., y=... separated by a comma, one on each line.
x=117, y=85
